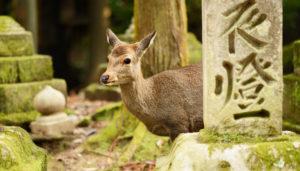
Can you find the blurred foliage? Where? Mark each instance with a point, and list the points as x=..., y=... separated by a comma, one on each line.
x=194, y=17
x=291, y=20
x=121, y=14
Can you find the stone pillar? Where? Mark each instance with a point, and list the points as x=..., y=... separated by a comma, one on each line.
x=242, y=42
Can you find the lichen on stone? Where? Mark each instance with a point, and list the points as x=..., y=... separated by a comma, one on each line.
x=18, y=152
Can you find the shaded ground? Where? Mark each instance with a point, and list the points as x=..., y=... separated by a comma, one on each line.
x=69, y=154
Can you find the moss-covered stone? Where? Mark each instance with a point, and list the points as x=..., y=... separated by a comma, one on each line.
x=101, y=92
x=291, y=98
x=18, y=152
x=9, y=25
x=15, y=98
x=19, y=119
x=25, y=69
x=232, y=152
x=14, y=40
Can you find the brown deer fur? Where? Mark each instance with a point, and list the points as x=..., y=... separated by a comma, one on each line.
x=168, y=103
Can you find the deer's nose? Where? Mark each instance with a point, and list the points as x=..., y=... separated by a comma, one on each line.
x=104, y=78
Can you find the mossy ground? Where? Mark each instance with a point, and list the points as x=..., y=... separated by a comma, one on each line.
x=18, y=152
x=131, y=138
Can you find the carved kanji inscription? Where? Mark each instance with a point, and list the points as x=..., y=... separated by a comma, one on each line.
x=242, y=66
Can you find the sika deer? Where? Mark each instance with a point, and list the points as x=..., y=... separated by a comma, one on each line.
x=168, y=103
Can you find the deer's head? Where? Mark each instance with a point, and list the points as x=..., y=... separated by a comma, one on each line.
x=124, y=61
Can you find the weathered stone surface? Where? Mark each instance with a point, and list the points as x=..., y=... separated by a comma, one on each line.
x=291, y=98
x=296, y=59
x=25, y=69
x=14, y=40
x=18, y=152
x=52, y=126
x=189, y=153
x=100, y=92
x=16, y=98
x=49, y=101
x=243, y=66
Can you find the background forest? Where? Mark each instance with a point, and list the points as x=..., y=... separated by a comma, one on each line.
x=67, y=29
x=73, y=33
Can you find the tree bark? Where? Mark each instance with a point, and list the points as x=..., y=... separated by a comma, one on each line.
x=168, y=18
x=98, y=51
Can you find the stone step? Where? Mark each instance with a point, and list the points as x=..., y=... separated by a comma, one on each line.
x=25, y=69
x=291, y=98
x=18, y=97
x=14, y=39
x=16, y=44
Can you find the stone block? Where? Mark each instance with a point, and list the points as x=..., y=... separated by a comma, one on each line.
x=291, y=98
x=18, y=152
x=14, y=40
x=52, y=126
x=18, y=97
x=232, y=152
x=25, y=69
x=242, y=42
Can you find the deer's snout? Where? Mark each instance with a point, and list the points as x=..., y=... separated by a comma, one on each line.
x=104, y=79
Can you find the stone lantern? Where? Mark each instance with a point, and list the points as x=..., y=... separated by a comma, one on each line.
x=54, y=122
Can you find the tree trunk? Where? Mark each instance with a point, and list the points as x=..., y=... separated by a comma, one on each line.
x=168, y=19
x=98, y=51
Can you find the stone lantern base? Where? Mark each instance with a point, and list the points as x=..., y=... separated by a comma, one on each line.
x=208, y=151
x=52, y=126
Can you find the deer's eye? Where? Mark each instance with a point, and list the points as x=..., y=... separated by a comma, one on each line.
x=127, y=61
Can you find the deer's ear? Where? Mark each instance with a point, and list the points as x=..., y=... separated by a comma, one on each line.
x=112, y=39
x=145, y=43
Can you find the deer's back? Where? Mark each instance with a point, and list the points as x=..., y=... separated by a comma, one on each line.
x=178, y=98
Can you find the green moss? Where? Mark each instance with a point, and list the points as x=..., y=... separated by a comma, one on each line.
x=16, y=44
x=8, y=71
x=9, y=25
x=18, y=118
x=122, y=125
x=14, y=40
x=18, y=152
x=25, y=69
x=15, y=98
x=274, y=155
x=107, y=111
x=209, y=136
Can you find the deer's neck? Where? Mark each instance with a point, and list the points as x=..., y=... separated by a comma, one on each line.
x=137, y=94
